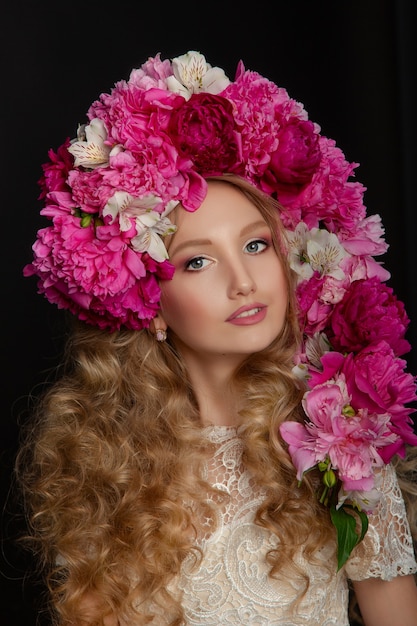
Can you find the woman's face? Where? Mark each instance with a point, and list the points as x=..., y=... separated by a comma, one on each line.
x=228, y=295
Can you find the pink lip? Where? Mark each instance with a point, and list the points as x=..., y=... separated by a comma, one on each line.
x=247, y=320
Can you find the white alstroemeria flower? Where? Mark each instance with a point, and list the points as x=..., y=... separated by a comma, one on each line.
x=124, y=206
x=150, y=225
x=315, y=250
x=192, y=74
x=315, y=347
x=90, y=150
x=300, y=371
x=362, y=500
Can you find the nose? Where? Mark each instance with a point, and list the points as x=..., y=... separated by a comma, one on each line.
x=241, y=282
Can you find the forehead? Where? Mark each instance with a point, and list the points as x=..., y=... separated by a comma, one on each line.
x=225, y=206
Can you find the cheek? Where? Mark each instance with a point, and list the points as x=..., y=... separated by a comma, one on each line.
x=180, y=306
x=277, y=285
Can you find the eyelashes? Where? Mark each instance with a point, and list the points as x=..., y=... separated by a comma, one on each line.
x=252, y=247
x=196, y=263
x=257, y=245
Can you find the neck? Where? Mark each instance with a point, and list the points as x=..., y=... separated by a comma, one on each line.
x=216, y=397
x=218, y=408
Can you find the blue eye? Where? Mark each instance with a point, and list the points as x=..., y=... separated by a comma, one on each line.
x=256, y=246
x=195, y=264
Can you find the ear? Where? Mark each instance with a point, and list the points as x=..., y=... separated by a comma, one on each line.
x=157, y=323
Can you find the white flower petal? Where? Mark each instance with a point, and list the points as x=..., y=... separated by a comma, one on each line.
x=96, y=131
x=92, y=152
x=151, y=243
x=149, y=201
x=164, y=227
x=176, y=87
x=89, y=155
x=146, y=220
x=170, y=206
x=192, y=74
x=363, y=500
x=300, y=371
x=315, y=347
x=215, y=81
x=315, y=250
x=116, y=206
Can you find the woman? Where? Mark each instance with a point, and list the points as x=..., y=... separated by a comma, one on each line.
x=159, y=475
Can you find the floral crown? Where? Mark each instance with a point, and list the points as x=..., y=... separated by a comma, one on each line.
x=150, y=144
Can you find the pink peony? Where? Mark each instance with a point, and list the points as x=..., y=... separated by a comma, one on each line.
x=365, y=237
x=93, y=272
x=58, y=203
x=132, y=115
x=153, y=73
x=361, y=267
x=87, y=188
x=351, y=443
x=377, y=382
x=301, y=446
x=256, y=102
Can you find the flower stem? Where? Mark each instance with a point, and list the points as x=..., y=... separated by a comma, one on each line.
x=324, y=496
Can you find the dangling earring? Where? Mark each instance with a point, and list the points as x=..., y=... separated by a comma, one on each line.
x=160, y=334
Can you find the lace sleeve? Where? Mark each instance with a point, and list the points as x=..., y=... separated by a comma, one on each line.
x=387, y=548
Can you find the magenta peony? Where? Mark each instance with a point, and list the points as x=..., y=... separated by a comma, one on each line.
x=297, y=156
x=55, y=172
x=203, y=129
x=368, y=313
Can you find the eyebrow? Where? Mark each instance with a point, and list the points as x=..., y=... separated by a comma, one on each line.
x=205, y=242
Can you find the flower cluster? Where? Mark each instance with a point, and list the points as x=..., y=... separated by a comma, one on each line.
x=151, y=143
x=357, y=403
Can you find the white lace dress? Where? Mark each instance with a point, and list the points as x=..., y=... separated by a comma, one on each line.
x=232, y=587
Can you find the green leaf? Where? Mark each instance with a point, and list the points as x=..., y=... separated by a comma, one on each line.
x=347, y=535
x=364, y=519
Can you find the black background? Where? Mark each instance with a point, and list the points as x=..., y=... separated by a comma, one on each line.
x=351, y=63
